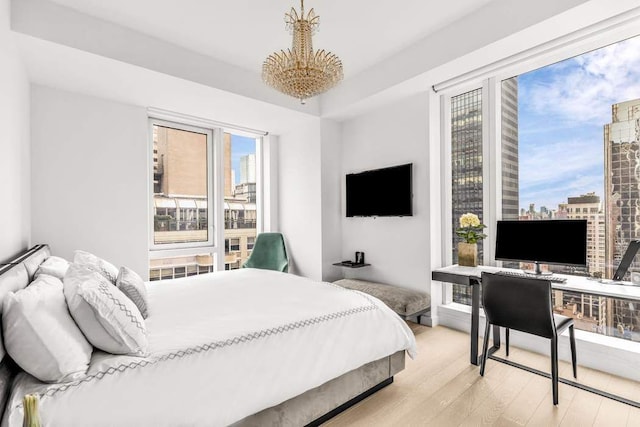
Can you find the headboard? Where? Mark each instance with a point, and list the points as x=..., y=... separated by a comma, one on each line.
x=16, y=274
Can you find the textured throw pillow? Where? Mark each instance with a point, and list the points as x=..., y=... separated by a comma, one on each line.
x=40, y=335
x=95, y=263
x=53, y=266
x=132, y=285
x=109, y=320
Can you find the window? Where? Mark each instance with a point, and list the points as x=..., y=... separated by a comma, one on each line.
x=466, y=170
x=181, y=182
x=578, y=140
x=466, y=159
x=188, y=216
x=232, y=266
x=180, y=266
x=569, y=145
x=240, y=197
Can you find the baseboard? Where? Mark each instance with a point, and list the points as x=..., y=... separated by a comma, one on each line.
x=607, y=354
x=430, y=321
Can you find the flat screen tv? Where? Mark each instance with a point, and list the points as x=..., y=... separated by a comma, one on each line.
x=554, y=241
x=380, y=192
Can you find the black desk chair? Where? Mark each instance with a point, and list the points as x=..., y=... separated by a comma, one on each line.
x=525, y=305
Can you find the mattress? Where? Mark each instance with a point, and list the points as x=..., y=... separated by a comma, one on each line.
x=223, y=346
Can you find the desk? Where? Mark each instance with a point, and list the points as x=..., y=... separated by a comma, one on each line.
x=471, y=276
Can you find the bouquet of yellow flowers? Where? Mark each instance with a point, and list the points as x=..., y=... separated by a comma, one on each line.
x=471, y=228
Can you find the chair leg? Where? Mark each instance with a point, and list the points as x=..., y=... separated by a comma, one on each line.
x=554, y=368
x=506, y=340
x=485, y=348
x=572, y=338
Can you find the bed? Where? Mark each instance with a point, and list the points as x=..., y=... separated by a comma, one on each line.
x=243, y=347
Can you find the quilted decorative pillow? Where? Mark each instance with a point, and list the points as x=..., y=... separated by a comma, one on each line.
x=40, y=335
x=109, y=320
x=98, y=264
x=132, y=285
x=53, y=266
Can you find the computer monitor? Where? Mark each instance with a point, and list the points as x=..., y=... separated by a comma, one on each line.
x=554, y=241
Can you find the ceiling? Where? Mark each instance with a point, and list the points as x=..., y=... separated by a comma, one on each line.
x=243, y=32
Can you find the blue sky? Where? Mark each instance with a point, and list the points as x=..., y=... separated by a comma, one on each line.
x=562, y=109
x=240, y=146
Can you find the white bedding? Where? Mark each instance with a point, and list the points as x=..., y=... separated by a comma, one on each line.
x=221, y=347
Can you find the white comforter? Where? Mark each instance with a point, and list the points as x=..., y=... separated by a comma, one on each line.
x=221, y=347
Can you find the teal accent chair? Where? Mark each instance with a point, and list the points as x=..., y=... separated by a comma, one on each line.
x=269, y=253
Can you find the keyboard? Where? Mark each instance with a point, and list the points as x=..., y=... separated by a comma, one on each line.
x=550, y=277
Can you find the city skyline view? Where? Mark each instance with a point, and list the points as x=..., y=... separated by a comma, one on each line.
x=569, y=130
x=240, y=146
x=561, y=124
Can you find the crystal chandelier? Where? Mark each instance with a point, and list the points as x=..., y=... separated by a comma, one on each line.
x=300, y=72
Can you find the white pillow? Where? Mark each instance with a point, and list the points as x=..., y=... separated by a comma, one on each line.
x=132, y=285
x=98, y=264
x=109, y=320
x=41, y=336
x=53, y=266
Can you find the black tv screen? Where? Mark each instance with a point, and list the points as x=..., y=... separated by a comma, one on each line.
x=554, y=241
x=380, y=192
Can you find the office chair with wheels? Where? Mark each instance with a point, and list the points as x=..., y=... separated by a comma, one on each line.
x=525, y=305
x=269, y=253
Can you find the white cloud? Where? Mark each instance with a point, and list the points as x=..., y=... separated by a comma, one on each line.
x=582, y=89
x=574, y=98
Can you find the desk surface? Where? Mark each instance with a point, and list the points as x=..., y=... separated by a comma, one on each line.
x=463, y=276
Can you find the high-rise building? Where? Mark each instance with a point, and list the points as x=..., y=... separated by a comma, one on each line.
x=509, y=130
x=466, y=170
x=622, y=181
x=248, y=168
x=180, y=162
x=467, y=162
x=589, y=207
x=561, y=213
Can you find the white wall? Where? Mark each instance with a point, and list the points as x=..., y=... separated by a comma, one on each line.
x=90, y=181
x=14, y=144
x=299, y=192
x=90, y=177
x=398, y=248
x=332, y=177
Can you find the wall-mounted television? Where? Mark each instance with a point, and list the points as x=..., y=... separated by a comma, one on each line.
x=380, y=192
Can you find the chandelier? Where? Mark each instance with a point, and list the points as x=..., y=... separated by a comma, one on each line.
x=300, y=72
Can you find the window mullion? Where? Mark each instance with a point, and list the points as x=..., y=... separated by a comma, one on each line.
x=217, y=205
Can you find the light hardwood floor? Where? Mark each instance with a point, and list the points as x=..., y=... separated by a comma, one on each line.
x=441, y=388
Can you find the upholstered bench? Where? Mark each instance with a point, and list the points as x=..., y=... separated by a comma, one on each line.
x=407, y=303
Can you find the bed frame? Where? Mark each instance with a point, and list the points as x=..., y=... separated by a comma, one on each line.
x=15, y=274
x=322, y=403
x=311, y=408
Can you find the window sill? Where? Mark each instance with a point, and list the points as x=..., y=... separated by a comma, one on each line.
x=608, y=354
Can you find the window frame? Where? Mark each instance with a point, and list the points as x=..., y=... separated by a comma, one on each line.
x=173, y=249
x=215, y=185
x=491, y=82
